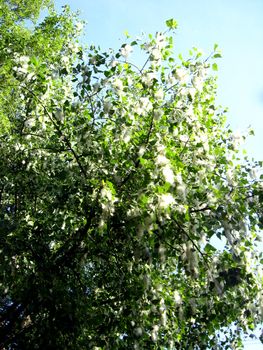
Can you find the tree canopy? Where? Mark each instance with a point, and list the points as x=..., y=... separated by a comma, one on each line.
x=115, y=179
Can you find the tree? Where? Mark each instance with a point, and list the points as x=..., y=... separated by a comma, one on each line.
x=115, y=179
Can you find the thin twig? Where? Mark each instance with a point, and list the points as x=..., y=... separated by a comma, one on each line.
x=190, y=239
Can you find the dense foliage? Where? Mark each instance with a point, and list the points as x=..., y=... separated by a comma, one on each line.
x=115, y=180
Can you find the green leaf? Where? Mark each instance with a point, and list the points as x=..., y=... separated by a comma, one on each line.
x=126, y=34
x=209, y=248
x=217, y=55
x=171, y=23
x=214, y=67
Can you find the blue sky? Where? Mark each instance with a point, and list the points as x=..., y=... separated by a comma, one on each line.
x=237, y=27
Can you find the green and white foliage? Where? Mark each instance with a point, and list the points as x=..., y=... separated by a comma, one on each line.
x=115, y=181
